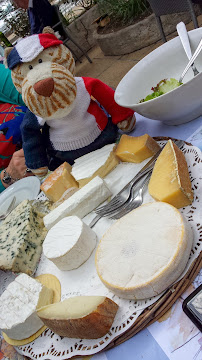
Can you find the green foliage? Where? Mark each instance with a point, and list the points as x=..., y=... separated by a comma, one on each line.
x=122, y=11
x=18, y=23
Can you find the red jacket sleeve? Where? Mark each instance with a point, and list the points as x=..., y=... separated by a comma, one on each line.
x=105, y=96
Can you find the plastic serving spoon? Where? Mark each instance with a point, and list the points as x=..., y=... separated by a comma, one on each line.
x=184, y=37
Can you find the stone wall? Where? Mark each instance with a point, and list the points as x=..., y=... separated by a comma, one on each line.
x=82, y=31
x=129, y=39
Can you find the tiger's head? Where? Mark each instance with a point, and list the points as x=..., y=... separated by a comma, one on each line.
x=42, y=71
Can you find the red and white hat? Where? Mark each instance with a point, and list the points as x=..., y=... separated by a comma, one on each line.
x=30, y=47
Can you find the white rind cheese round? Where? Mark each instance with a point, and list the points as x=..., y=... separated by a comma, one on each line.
x=145, y=251
x=69, y=243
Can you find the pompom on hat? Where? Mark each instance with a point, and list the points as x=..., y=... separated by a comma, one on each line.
x=30, y=47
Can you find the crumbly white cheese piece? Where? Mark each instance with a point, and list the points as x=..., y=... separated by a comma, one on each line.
x=69, y=243
x=80, y=203
x=96, y=163
x=21, y=237
x=145, y=251
x=18, y=305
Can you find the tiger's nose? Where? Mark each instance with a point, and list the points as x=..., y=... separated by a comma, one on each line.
x=44, y=87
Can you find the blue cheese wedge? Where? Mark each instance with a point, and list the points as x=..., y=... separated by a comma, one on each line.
x=21, y=237
x=80, y=203
x=18, y=306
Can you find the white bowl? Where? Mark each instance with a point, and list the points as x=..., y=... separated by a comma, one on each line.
x=178, y=106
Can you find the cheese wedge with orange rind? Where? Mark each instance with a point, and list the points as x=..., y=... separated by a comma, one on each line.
x=83, y=317
x=170, y=181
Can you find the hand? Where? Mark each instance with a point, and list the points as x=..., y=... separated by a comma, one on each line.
x=128, y=124
x=16, y=168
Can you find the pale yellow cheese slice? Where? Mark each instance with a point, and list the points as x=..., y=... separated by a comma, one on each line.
x=170, y=181
x=136, y=149
x=58, y=182
x=84, y=317
x=145, y=251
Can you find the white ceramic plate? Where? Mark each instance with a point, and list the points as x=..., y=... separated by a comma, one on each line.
x=24, y=189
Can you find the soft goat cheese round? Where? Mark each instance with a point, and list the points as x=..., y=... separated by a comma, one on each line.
x=145, y=251
x=69, y=243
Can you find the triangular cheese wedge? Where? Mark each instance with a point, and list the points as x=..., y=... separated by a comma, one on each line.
x=170, y=181
x=83, y=317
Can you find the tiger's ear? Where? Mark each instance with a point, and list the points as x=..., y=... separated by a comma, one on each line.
x=48, y=30
x=6, y=53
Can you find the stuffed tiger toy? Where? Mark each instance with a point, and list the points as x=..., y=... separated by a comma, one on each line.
x=67, y=116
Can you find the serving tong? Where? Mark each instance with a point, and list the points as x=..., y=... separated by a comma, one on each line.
x=184, y=37
x=191, y=61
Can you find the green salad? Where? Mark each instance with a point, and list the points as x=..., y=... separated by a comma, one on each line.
x=161, y=88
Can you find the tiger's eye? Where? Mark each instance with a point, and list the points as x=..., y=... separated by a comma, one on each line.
x=30, y=67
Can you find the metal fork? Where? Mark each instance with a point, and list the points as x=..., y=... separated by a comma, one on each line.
x=10, y=208
x=136, y=199
x=122, y=197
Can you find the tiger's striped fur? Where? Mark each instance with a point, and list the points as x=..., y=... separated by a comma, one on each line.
x=56, y=63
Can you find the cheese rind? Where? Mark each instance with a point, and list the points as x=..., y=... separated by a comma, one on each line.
x=69, y=243
x=96, y=163
x=58, y=182
x=18, y=305
x=136, y=149
x=80, y=203
x=145, y=251
x=83, y=317
x=21, y=237
x=170, y=181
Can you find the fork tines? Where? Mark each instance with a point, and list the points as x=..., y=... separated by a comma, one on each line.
x=105, y=209
x=122, y=197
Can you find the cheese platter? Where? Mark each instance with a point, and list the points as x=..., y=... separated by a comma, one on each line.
x=84, y=280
